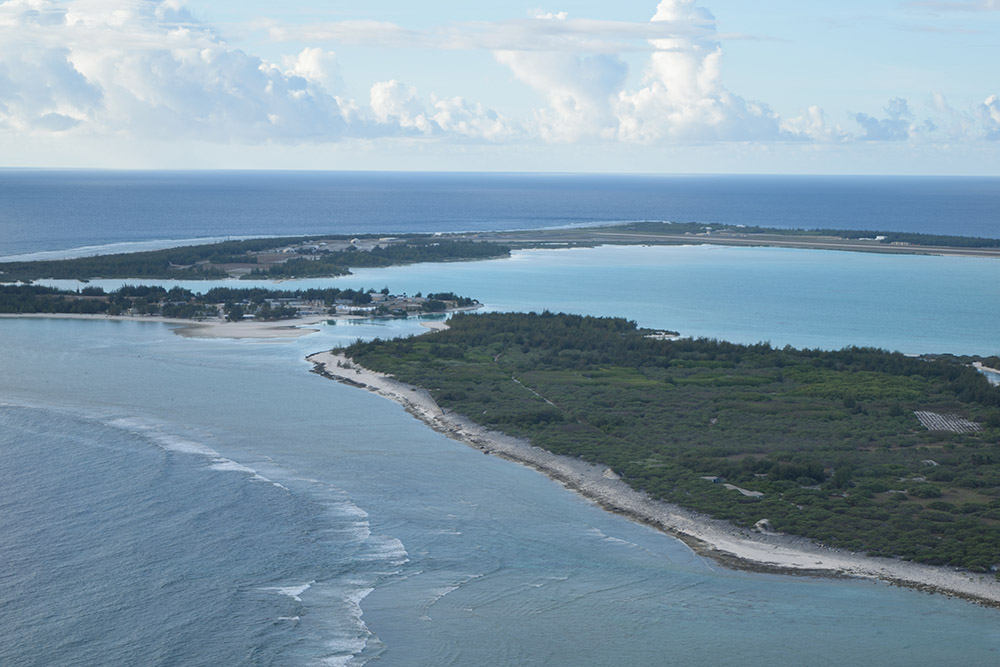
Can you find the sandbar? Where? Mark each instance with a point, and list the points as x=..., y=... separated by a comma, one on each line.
x=211, y=328
x=729, y=545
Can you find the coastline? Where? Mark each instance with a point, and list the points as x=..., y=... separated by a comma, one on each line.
x=724, y=543
x=585, y=237
x=215, y=328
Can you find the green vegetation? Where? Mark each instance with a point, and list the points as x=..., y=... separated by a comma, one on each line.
x=189, y=262
x=234, y=303
x=828, y=438
x=336, y=263
x=327, y=256
x=297, y=257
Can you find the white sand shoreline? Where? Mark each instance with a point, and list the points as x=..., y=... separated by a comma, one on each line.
x=209, y=328
x=719, y=540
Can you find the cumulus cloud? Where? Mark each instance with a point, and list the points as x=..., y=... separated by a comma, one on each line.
x=318, y=66
x=148, y=68
x=457, y=116
x=682, y=100
x=398, y=105
x=684, y=97
x=989, y=113
x=812, y=123
x=896, y=126
x=580, y=91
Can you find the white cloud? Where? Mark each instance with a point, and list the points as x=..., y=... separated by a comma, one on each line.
x=989, y=112
x=579, y=90
x=147, y=68
x=972, y=6
x=318, y=66
x=458, y=116
x=896, y=126
x=399, y=106
x=395, y=103
x=812, y=123
x=683, y=99
x=544, y=32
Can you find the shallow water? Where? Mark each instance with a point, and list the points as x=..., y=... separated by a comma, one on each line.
x=804, y=298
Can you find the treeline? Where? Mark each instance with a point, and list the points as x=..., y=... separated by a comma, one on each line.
x=828, y=437
x=186, y=262
x=178, y=302
x=328, y=295
x=339, y=262
x=202, y=261
x=460, y=301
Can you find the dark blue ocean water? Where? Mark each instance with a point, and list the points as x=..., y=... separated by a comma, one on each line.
x=59, y=210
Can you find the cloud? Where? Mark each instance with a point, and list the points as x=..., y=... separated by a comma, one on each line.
x=579, y=89
x=684, y=98
x=989, y=113
x=148, y=68
x=812, y=123
x=544, y=32
x=318, y=66
x=457, y=116
x=895, y=126
x=397, y=105
x=971, y=6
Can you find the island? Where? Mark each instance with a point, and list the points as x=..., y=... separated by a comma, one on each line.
x=331, y=256
x=856, y=462
x=252, y=312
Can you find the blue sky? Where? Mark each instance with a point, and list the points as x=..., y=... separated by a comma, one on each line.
x=676, y=86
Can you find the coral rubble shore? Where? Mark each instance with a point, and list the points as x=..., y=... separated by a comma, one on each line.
x=727, y=544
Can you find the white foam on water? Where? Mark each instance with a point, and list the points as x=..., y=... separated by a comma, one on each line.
x=347, y=640
x=438, y=593
x=601, y=535
x=347, y=648
x=294, y=592
x=175, y=443
x=388, y=548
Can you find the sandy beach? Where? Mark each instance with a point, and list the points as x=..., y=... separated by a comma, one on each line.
x=726, y=544
x=215, y=328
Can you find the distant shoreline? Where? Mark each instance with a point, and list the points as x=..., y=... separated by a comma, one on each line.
x=586, y=237
x=728, y=545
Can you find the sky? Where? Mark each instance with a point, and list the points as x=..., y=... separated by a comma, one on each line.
x=634, y=86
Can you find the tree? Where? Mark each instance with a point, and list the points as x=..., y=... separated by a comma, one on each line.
x=234, y=312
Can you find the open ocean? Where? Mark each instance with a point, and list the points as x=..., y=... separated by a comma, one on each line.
x=175, y=501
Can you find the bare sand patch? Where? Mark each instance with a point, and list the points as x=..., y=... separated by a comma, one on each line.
x=213, y=328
